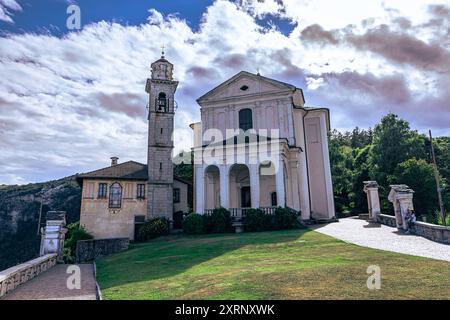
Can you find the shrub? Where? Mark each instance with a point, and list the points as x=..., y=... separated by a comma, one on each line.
x=194, y=224
x=219, y=221
x=284, y=219
x=75, y=232
x=154, y=228
x=257, y=220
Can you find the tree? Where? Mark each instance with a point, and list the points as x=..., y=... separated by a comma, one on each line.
x=393, y=143
x=341, y=163
x=419, y=176
x=442, y=151
x=359, y=175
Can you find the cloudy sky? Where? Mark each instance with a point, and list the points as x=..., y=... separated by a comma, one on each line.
x=70, y=99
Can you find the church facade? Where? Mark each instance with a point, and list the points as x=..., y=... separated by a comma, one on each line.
x=259, y=146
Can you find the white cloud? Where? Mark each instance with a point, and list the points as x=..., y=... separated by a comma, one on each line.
x=6, y=6
x=68, y=104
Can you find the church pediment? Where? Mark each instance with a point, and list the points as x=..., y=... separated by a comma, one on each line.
x=245, y=84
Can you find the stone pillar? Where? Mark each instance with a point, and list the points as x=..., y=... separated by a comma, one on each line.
x=224, y=185
x=281, y=191
x=254, y=185
x=373, y=199
x=53, y=234
x=401, y=197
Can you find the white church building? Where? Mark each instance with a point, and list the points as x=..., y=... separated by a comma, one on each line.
x=259, y=146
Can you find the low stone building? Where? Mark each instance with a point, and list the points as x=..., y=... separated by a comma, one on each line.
x=114, y=199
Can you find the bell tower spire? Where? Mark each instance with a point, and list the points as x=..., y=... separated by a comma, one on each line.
x=161, y=91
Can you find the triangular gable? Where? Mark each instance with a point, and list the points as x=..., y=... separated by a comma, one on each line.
x=255, y=83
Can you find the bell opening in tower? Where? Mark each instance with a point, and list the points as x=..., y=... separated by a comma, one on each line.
x=161, y=102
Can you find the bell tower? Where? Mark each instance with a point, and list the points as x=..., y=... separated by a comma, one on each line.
x=161, y=90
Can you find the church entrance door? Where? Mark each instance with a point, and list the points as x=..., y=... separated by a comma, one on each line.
x=246, y=201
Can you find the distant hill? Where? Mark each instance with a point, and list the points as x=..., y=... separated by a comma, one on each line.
x=19, y=215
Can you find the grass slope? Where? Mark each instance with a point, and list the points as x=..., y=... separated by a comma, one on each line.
x=294, y=264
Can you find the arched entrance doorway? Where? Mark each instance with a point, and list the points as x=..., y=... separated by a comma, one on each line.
x=240, y=193
x=267, y=185
x=212, y=187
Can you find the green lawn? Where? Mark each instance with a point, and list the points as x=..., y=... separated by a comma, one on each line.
x=293, y=264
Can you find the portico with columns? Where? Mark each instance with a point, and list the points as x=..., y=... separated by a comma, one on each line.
x=259, y=146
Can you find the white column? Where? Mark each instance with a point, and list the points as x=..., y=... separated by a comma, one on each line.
x=224, y=186
x=302, y=173
x=281, y=194
x=327, y=167
x=254, y=185
x=199, y=189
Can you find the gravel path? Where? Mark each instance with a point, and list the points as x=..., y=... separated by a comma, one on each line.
x=51, y=285
x=374, y=235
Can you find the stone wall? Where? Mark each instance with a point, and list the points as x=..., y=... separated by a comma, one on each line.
x=13, y=277
x=387, y=220
x=427, y=230
x=432, y=232
x=88, y=250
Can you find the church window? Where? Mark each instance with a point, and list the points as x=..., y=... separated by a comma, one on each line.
x=140, y=191
x=245, y=119
x=102, y=187
x=244, y=88
x=115, y=195
x=176, y=195
x=273, y=199
x=161, y=102
x=160, y=166
x=161, y=130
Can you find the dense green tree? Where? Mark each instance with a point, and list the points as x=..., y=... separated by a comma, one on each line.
x=341, y=163
x=442, y=152
x=361, y=138
x=360, y=174
x=393, y=142
x=419, y=176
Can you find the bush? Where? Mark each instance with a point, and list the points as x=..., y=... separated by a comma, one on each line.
x=284, y=219
x=257, y=220
x=219, y=221
x=194, y=224
x=154, y=228
x=75, y=232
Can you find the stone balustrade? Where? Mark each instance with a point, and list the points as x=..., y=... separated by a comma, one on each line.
x=13, y=277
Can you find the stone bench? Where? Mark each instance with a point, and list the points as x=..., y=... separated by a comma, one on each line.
x=12, y=277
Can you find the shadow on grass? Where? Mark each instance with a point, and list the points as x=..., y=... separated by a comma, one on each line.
x=172, y=255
